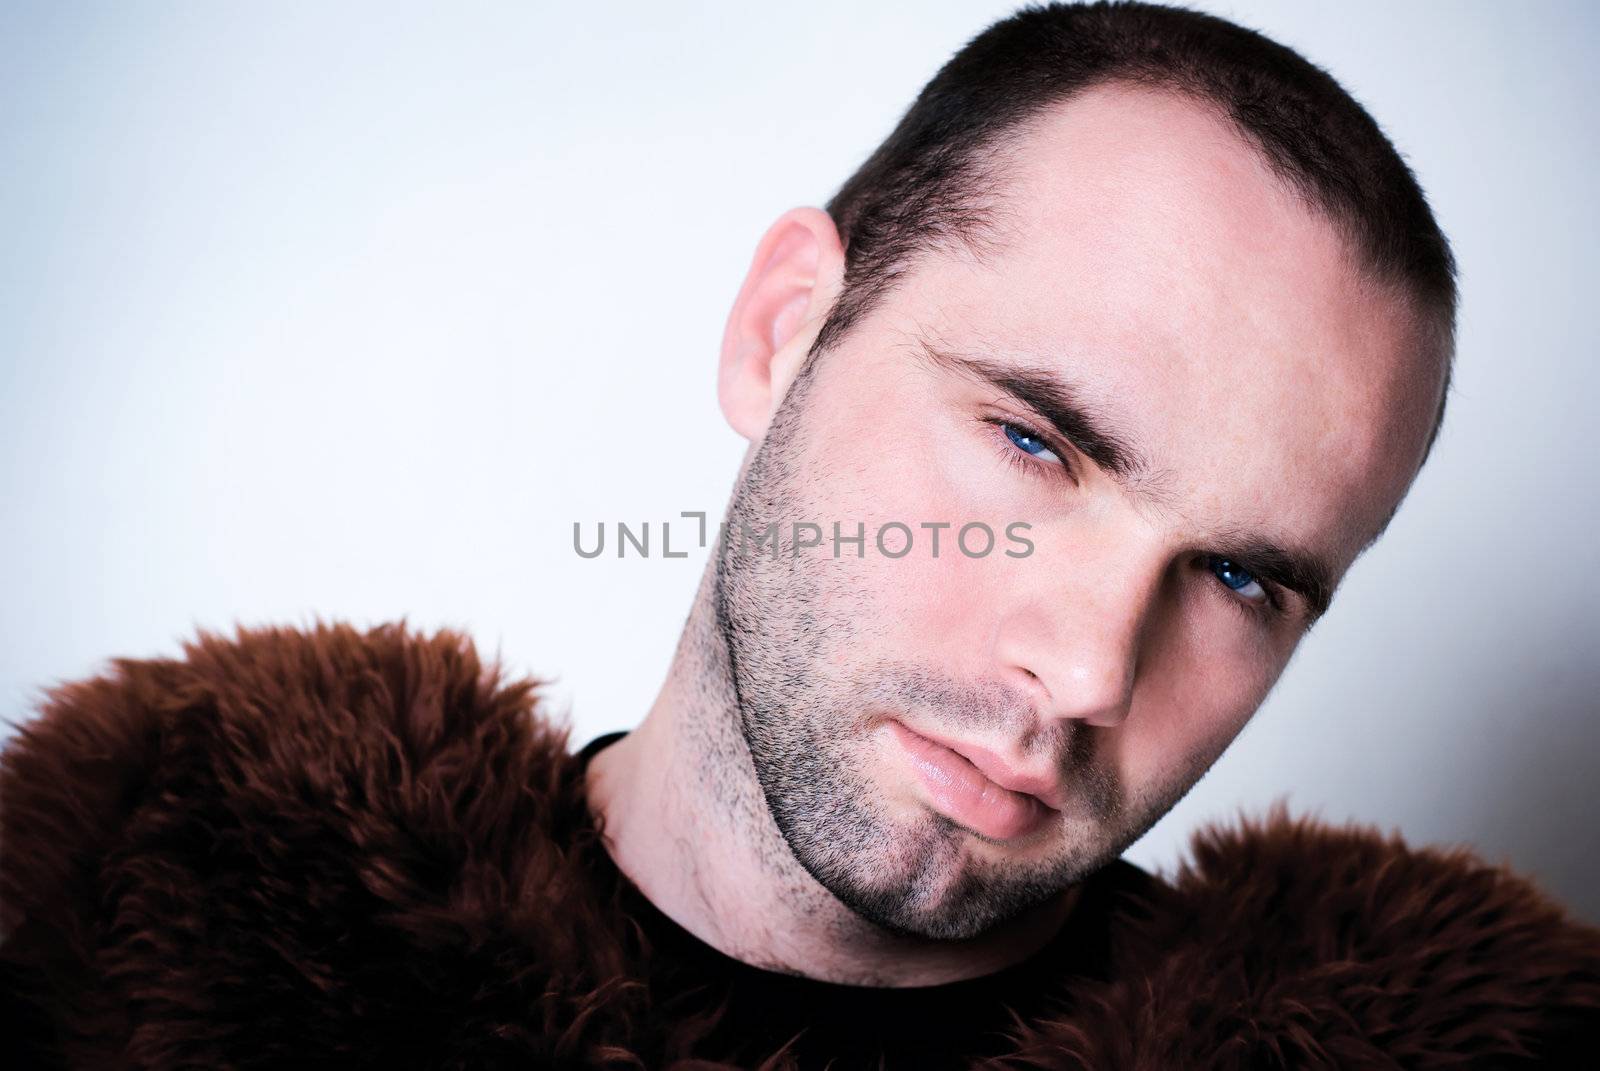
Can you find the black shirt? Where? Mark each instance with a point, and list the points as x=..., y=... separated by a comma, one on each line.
x=847, y=1026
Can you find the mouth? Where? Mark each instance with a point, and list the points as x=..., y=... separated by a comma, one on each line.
x=964, y=793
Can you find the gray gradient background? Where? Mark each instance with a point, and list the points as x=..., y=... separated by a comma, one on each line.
x=352, y=313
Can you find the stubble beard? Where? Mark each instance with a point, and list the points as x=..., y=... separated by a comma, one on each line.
x=780, y=619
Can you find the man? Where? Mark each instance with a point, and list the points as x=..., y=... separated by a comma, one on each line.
x=1141, y=290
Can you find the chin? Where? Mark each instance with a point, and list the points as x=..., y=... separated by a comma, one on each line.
x=962, y=908
x=917, y=876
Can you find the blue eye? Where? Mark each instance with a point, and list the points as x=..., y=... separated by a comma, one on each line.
x=1238, y=578
x=1029, y=443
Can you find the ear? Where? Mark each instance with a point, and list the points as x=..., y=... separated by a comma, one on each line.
x=791, y=285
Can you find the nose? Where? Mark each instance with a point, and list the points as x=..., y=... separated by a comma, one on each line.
x=1074, y=643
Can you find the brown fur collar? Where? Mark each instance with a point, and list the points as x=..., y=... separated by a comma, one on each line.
x=343, y=848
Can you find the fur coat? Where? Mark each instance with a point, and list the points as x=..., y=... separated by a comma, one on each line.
x=332, y=847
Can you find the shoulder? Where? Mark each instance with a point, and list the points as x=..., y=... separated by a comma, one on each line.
x=1291, y=941
x=302, y=714
x=290, y=806
x=269, y=724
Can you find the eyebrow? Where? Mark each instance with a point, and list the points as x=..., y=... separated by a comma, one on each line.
x=1060, y=404
x=1305, y=574
x=1054, y=399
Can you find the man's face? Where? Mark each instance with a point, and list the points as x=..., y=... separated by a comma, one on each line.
x=1241, y=410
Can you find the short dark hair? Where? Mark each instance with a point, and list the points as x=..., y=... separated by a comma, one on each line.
x=929, y=184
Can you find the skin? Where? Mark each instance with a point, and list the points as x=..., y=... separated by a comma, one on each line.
x=1266, y=389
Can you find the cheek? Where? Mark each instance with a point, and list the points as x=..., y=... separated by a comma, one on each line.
x=892, y=446
x=1195, y=693
x=923, y=606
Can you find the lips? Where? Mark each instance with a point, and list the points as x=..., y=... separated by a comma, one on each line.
x=969, y=796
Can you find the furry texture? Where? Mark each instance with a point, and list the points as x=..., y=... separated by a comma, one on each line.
x=341, y=848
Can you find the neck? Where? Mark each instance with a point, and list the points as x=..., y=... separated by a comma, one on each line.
x=684, y=819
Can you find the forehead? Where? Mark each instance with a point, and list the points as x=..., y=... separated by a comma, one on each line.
x=1147, y=252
